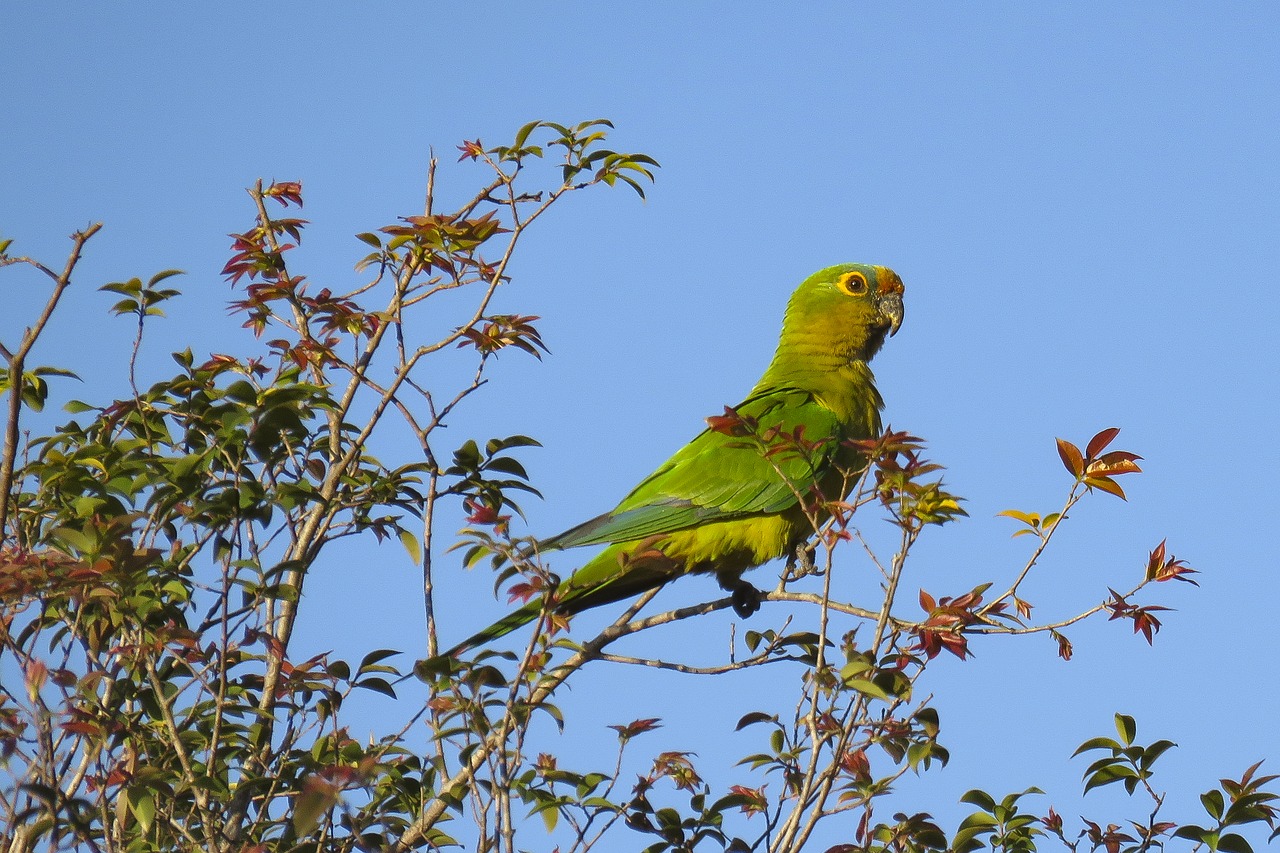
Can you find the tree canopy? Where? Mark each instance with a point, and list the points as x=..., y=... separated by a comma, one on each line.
x=157, y=551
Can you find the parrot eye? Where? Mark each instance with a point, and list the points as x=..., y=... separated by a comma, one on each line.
x=853, y=283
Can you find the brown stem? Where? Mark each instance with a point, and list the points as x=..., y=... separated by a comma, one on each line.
x=17, y=364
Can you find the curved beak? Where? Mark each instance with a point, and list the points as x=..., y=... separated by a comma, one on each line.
x=890, y=307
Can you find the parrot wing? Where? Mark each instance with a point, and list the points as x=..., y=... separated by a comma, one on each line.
x=722, y=474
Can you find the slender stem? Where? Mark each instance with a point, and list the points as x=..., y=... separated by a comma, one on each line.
x=17, y=364
x=1073, y=497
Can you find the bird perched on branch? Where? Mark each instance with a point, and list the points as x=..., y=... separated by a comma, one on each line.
x=750, y=487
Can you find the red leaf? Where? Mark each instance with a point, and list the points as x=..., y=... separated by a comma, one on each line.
x=637, y=727
x=855, y=763
x=927, y=604
x=1114, y=463
x=1071, y=457
x=471, y=150
x=1065, y=649
x=1099, y=442
x=731, y=423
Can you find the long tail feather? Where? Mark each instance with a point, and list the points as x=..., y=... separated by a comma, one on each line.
x=515, y=619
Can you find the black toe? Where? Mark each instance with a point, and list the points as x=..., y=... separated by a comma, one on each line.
x=746, y=599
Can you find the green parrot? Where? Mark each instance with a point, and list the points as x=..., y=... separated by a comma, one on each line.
x=720, y=505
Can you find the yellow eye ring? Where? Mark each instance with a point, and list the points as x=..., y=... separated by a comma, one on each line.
x=853, y=283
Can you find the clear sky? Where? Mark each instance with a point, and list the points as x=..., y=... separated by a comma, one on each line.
x=1083, y=200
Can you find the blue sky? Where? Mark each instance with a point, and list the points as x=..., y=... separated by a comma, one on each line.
x=1081, y=199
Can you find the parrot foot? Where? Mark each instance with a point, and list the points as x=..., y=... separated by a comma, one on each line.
x=746, y=599
x=800, y=564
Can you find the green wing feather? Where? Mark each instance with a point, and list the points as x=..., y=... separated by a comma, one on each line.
x=718, y=476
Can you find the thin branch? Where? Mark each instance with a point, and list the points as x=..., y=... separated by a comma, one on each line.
x=1073, y=497
x=17, y=363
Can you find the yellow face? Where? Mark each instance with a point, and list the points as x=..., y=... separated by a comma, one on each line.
x=857, y=299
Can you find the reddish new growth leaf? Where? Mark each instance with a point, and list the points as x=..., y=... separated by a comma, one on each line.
x=733, y=423
x=1111, y=838
x=484, y=514
x=826, y=723
x=275, y=648
x=677, y=767
x=28, y=575
x=285, y=192
x=1052, y=821
x=505, y=330
x=1144, y=620
x=445, y=231
x=637, y=727
x=839, y=532
x=258, y=255
x=1096, y=469
x=901, y=484
x=1162, y=568
x=778, y=440
x=471, y=150
x=1065, y=649
x=339, y=314
x=948, y=619
x=1099, y=442
x=1071, y=457
x=34, y=673
x=754, y=800
x=527, y=590
x=1250, y=801
x=856, y=764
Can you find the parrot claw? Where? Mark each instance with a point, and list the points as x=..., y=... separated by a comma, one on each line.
x=800, y=564
x=746, y=599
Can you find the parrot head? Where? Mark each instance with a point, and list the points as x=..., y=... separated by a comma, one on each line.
x=854, y=306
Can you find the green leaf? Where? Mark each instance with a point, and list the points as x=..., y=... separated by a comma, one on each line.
x=979, y=798
x=866, y=688
x=242, y=392
x=1154, y=751
x=132, y=287
x=1213, y=804
x=376, y=656
x=54, y=371
x=161, y=276
x=410, y=543
x=507, y=465
x=550, y=816
x=522, y=135
x=1191, y=832
x=1097, y=743
x=378, y=685
x=518, y=441
x=1233, y=843
x=142, y=803
x=1127, y=728
x=928, y=719
x=854, y=668
x=1108, y=775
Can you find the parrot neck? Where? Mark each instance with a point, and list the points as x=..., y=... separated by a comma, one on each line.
x=841, y=381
